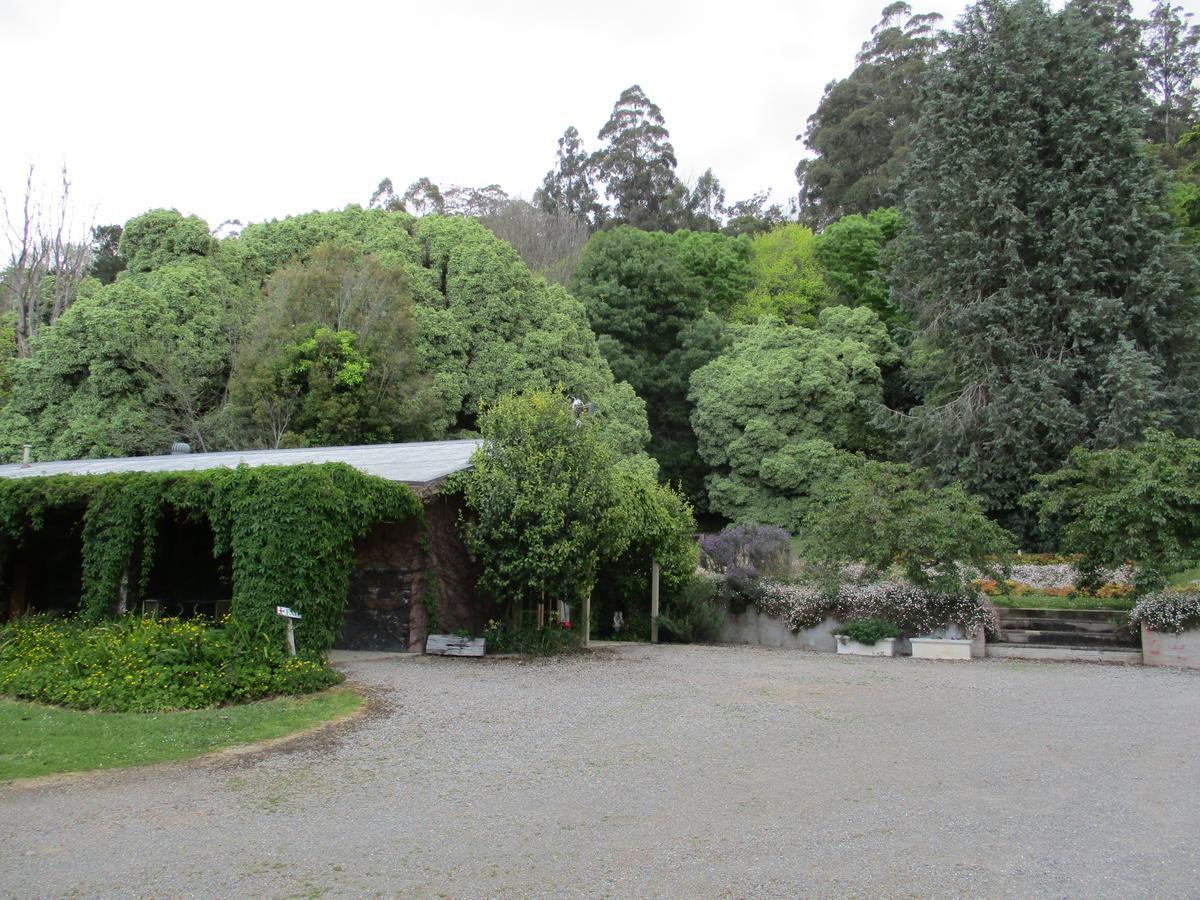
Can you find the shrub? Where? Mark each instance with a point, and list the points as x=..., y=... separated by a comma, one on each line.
x=869, y=631
x=1140, y=505
x=144, y=665
x=556, y=637
x=763, y=549
x=1169, y=612
x=914, y=610
x=743, y=554
x=692, y=616
x=887, y=514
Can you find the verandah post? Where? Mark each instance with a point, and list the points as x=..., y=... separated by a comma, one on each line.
x=654, y=571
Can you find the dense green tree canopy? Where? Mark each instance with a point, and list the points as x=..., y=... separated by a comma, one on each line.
x=163, y=236
x=552, y=503
x=1052, y=303
x=148, y=358
x=777, y=414
x=787, y=280
x=849, y=251
x=1139, y=505
x=886, y=514
x=129, y=368
x=649, y=297
x=331, y=358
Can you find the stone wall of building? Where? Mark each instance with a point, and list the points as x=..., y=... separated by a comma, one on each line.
x=396, y=567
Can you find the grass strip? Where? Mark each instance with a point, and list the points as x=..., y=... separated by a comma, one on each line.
x=40, y=740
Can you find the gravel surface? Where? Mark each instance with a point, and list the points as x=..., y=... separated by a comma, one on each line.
x=662, y=771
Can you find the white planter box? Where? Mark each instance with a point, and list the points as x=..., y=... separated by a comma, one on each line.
x=847, y=647
x=1160, y=649
x=940, y=648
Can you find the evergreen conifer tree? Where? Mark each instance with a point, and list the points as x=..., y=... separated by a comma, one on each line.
x=1052, y=300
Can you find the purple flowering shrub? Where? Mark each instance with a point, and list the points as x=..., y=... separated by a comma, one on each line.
x=757, y=549
x=744, y=555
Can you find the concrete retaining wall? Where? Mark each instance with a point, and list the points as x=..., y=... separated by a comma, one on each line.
x=1160, y=649
x=753, y=627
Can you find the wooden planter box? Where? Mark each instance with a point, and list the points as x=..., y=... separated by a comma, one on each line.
x=847, y=647
x=940, y=648
x=1159, y=649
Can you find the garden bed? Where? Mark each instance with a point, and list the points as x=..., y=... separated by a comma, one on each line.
x=147, y=665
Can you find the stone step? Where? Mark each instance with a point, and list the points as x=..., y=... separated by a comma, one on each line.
x=1067, y=638
x=1064, y=653
x=1010, y=623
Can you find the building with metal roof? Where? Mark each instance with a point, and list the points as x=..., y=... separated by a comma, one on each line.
x=399, y=567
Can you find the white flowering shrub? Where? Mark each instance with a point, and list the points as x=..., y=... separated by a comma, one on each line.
x=1063, y=575
x=913, y=610
x=1168, y=612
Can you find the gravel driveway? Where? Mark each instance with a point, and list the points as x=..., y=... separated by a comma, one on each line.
x=662, y=771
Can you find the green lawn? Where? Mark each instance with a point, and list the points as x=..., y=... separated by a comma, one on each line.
x=44, y=740
x=1186, y=577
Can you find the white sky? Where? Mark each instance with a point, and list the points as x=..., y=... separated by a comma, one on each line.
x=255, y=110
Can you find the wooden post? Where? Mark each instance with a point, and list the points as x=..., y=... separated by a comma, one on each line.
x=654, y=602
x=587, y=620
x=291, y=639
x=123, y=594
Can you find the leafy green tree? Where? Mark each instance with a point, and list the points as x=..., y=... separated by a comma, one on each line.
x=129, y=368
x=1140, y=505
x=787, y=279
x=163, y=236
x=423, y=198
x=779, y=414
x=637, y=163
x=107, y=262
x=542, y=502
x=550, y=506
x=1172, y=61
x=705, y=204
x=862, y=128
x=331, y=358
x=568, y=188
x=886, y=514
x=753, y=215
x=1045, y=281
x=649, y=297
x=849, y=251
x=487, y=326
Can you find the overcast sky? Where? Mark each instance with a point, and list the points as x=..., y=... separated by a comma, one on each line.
x=255, y=110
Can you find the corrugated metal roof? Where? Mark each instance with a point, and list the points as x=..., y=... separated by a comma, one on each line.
x=417, y=464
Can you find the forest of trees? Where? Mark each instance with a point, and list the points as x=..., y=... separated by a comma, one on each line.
x=992, y=259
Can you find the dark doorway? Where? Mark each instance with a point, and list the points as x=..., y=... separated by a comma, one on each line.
x=186, y=580
x=377, y=610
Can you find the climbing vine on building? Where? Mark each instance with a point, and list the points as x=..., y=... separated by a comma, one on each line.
x=289, y=531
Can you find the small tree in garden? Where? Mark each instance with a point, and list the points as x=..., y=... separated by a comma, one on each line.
x=885, y=514
x=542, y=498
x=1140, y=505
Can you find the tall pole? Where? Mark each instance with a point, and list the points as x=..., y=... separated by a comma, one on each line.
x=654, y=602
x=587, y=620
